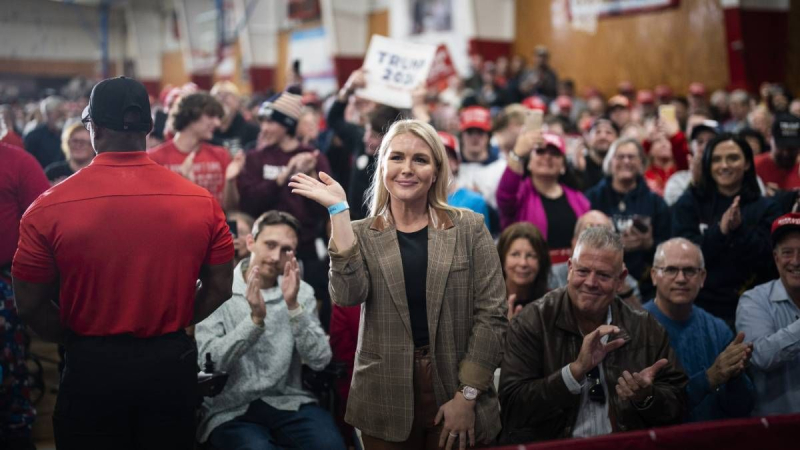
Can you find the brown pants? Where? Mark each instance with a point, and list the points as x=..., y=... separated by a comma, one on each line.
x=424, y=434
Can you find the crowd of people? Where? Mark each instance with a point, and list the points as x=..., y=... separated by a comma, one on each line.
x=505, y=262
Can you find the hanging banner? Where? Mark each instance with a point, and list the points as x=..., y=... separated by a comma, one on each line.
x=393, y=69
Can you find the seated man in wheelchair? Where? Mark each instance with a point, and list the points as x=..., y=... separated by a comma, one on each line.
x=261, y=337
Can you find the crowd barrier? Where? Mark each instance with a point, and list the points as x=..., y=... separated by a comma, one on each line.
x=774, y=432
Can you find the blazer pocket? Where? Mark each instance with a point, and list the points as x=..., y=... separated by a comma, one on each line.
x=367, y=355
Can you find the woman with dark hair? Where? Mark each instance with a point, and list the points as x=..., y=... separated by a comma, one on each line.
x=729, y=218
x=525, y=260
x=536, y=188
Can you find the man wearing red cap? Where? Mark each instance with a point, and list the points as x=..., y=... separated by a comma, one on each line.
x=697, y=96
x=647, y=104
x=459, y=196
x=480, y=169
x=769, y=315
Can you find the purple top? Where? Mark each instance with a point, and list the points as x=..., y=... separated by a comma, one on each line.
x=518, y=201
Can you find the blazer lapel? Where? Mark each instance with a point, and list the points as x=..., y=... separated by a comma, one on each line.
x=441, y=247
x=392, y=268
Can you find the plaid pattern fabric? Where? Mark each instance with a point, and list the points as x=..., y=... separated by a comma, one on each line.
x=466, y=320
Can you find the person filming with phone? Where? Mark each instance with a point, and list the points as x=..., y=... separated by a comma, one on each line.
x=580, y=362
x=639, y=215
x=534, y=188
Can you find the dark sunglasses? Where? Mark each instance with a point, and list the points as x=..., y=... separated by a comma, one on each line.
x=547, y=150
x=596, y=393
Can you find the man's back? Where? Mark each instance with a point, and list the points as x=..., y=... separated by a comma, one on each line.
x=127, y=238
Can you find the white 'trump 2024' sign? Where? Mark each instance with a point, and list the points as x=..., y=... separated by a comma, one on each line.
x=394, y=68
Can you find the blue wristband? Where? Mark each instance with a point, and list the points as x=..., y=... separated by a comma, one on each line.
x=337, y=208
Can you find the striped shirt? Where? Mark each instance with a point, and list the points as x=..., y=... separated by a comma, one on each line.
x=771, y=321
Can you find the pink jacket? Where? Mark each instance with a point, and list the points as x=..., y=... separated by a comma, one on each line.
x=518, y=201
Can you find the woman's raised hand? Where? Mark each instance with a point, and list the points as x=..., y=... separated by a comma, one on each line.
x=325, y=191
x=527, y=141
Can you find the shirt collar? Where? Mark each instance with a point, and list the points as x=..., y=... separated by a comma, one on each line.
x=138, y=158
x=778, y=293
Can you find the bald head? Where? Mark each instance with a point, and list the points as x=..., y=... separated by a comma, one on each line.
x=677, y=246
x=593, y=218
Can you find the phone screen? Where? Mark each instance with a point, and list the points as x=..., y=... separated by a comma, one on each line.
x=233, y=227
x=667, y=114
x=534, y=121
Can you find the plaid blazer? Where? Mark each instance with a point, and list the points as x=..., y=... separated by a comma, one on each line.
x=466, y=320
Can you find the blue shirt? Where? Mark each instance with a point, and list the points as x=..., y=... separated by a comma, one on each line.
x=698, y=341
x=464, y=198
x=771, y=321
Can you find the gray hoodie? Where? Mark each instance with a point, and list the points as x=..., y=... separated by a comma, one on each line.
x=262, y=362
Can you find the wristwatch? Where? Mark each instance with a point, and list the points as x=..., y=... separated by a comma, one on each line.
x=514, y=156
x=470, y=393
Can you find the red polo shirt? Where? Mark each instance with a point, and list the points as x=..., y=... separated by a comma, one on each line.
x=21, y=181
x=126, y=239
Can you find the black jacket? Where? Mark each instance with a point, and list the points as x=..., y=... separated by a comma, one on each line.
x=641, y=201
x=352, y=137
x=535, y=402
x=736, y=262
x=241, y=134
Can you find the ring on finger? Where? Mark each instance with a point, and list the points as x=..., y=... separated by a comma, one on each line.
x=453, y=434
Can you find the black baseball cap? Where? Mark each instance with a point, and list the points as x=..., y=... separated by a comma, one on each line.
x=706, y=125
x=786, y=131
x=112, y=98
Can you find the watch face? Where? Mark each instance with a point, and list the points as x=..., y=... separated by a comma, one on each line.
x=470, y=393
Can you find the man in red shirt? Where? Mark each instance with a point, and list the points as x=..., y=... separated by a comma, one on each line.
x=778, y=168
x=21, y=181
x=120, y=246
x=194, y=120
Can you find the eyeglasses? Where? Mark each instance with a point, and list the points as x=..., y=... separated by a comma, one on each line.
x=87, y=123
x=596, y=392
x=672, y=271
x=620, y=157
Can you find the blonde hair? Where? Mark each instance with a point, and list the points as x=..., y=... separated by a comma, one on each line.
x=377, y=196
x=67, y=133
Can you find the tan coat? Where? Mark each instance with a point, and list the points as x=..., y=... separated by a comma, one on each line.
x=466, y=321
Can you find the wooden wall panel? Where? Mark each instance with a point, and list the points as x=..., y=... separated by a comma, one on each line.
x=378, y=24
x=172, y=70
x=674, y=46
x=50, y=68
x=282, y=69
x=793, y=50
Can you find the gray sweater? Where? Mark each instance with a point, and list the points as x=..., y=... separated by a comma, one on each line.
x=262, y=362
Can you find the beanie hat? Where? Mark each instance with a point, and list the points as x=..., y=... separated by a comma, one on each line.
x=283, y=108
